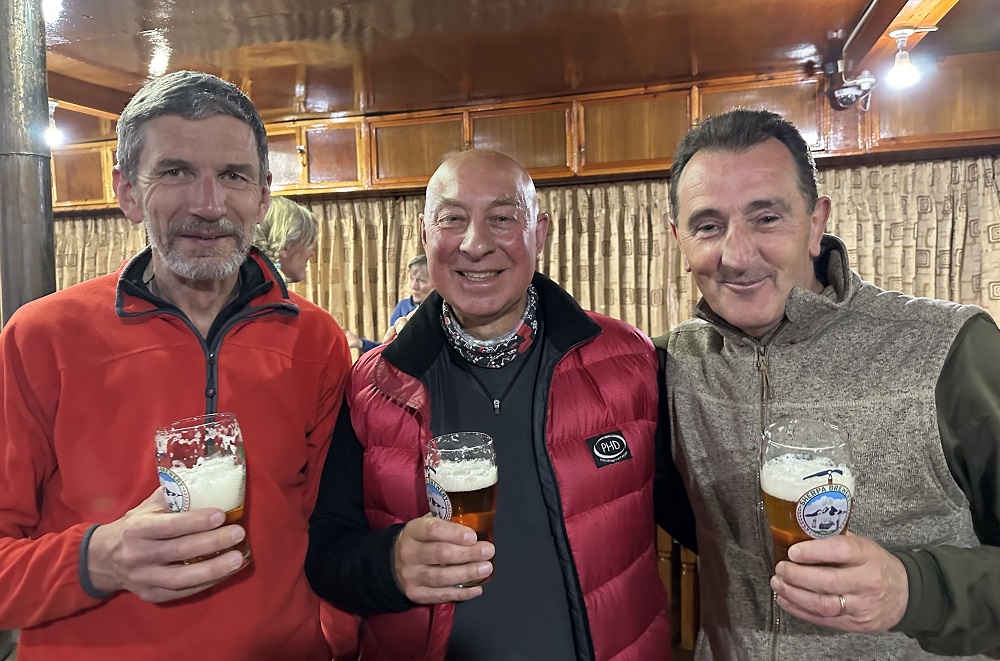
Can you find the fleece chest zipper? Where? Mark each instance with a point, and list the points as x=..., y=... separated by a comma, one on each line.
x=763, y=532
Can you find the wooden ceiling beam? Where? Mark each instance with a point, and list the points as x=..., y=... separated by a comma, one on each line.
x=871, y=48
x=87, y=98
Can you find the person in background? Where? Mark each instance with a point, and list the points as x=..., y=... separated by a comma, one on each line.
x=500, y=349
x=420, y=287
x=786, y=328
x=288, y=235
x=91, y=562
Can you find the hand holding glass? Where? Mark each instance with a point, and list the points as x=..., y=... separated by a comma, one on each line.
x=806, y=480
x=460, y=474
x=201, y=463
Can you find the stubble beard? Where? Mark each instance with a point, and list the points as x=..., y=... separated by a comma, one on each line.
x=205, y=264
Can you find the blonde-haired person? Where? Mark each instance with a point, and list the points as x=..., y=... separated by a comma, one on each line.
x=288, y=236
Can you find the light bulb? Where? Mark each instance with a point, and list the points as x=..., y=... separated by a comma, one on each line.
x=51, y=10
x=53, y=136
x=903, y=73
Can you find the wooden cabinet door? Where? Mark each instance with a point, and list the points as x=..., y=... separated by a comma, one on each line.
x=631, y=133
x=538, y=137
x=956, y=101
x=405, y=152
x=797, y=101
x=334, y=154
x=286, y=157
x=81, y=176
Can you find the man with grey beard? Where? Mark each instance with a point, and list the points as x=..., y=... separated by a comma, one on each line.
x=199, y=322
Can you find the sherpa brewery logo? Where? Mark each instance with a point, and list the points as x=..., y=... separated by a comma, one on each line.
x=176, y=492
x=823, y=510
x=609, y=449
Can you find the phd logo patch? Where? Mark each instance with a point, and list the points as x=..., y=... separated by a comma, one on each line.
x=608, y=449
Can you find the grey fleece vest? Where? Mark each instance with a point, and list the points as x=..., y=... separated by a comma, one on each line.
x=861, y=357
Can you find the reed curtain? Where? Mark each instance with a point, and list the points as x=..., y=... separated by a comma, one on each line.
x=929, y=228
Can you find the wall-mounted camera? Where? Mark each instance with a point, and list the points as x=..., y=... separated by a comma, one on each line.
x=845, y=93
x=843, y=98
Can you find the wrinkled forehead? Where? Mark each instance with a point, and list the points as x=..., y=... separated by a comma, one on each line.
x=478, y=185
x=217, y=139
x=764, y=171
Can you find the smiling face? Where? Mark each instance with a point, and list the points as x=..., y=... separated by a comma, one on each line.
x=746, y=233
x=482, y=237
x=198, y=193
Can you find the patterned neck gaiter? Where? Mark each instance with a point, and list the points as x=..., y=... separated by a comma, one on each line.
x=493, y=353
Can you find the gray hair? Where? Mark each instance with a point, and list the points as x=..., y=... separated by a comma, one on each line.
x=190, y=95
x=420, y=261
x=739, y=130
x=286, y=224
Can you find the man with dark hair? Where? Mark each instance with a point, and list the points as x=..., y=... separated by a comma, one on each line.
x=786, y=329
x=92, y=565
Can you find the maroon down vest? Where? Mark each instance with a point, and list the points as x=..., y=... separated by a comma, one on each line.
x=602, y=386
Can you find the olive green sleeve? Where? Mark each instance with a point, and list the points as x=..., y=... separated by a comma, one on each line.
x=954, y=593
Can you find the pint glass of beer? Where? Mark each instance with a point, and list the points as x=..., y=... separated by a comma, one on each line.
x=460, y=473
x=806, y=481
x=201, y=464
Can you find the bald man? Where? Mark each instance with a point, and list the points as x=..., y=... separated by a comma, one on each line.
x=499, y=349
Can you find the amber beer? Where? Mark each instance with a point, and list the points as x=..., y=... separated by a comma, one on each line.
x=801, y=509
x=460, y=474
x=471, y=488
x=217, y=481
x=201, y=464
x=806, y=482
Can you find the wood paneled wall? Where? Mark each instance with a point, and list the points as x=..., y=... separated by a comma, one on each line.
x=596, y=135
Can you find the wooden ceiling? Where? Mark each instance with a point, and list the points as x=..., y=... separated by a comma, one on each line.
x=384, y=56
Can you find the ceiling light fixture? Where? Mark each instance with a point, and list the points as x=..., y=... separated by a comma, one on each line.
x=51, y=10
x=53, y=136
x=159, y=55
x=903, y=73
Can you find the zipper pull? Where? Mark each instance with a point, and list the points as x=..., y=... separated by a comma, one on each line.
x=765, y=375
x=496, y=407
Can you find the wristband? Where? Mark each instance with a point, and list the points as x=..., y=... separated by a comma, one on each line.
x=83, y=571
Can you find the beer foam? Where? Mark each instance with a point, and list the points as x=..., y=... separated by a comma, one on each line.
x=215, y=482
x=465, y=475
x=781, y=477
